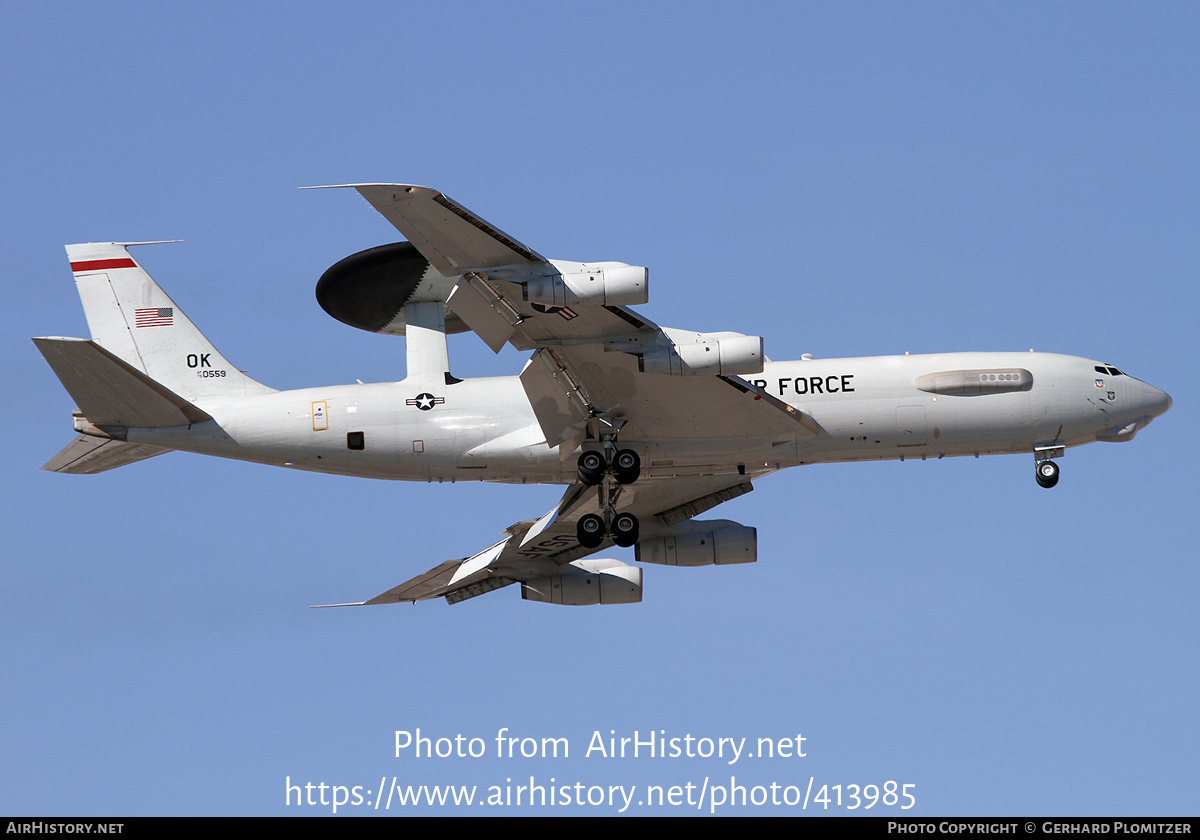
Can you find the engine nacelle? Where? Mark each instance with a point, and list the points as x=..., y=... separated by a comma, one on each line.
x=586, y=582
x=607, y=284
x=719, y=543
x=730, y=354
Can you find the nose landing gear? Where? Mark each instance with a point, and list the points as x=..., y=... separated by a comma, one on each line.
x=1044, y=455
x=1047, y=474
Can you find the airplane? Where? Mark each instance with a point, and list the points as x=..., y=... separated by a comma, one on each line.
x=647, y=426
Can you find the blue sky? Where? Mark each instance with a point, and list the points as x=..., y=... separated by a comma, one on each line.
x=842, y=179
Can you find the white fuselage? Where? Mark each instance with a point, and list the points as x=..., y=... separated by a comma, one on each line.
x=861, y=409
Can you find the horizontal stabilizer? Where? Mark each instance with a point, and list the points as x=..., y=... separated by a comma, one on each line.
x=111, y=392
x=86, y=455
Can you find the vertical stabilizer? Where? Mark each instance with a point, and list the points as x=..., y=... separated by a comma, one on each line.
x=133, y=318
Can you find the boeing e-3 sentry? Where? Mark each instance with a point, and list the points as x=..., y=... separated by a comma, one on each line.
x=648, y=426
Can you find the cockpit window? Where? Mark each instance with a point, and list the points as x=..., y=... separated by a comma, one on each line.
x=1109, y=369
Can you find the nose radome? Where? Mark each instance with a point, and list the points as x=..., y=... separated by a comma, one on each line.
x=1157, y=402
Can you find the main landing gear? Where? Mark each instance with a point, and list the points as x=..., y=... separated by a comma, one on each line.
x=1047, y=474
x=623, y=529
x=623, y=467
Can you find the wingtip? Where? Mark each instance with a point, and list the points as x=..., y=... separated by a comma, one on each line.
x=358, y=186
x=348, y=604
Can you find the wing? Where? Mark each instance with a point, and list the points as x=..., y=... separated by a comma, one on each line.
x=597, y=367
x=536, y=551
x=572, y=386
x=597, y=363
x=488, y=267
x=453, y=239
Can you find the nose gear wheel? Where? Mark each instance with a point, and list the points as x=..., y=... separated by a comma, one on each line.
x=1047, y=474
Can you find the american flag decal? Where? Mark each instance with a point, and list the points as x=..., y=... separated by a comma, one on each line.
x=163, y=316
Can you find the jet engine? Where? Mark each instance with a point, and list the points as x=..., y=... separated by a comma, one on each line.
x=586, y=582
x=607, y=284
x=718, y=542
x=713, y=354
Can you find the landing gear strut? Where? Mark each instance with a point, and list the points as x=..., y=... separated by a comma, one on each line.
x=1047, y=474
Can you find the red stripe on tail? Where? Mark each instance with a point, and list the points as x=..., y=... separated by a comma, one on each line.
x=99, y=265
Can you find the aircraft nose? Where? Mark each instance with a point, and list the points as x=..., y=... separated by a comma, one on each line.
x=1157, y=402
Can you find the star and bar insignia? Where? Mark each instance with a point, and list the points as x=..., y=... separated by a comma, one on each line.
x=425, y=401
